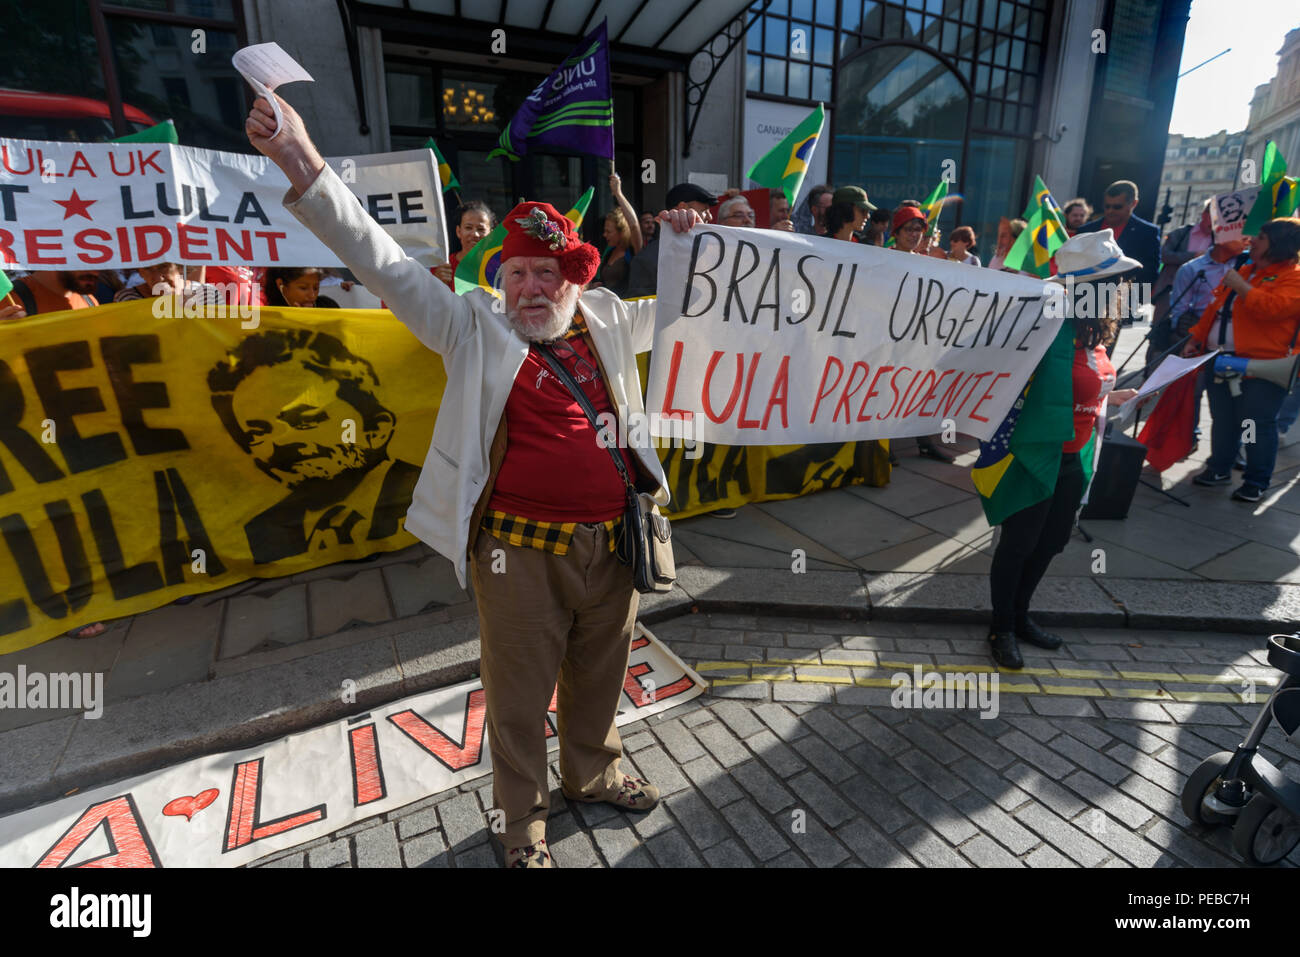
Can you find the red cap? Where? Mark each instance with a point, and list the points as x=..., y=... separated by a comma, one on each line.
x=905, y=213
x=538, y=229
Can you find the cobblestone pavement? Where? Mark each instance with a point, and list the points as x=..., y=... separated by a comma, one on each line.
x=796, y=757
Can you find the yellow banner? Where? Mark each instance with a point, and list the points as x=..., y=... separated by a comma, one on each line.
x=147, y=457
x=143, y=458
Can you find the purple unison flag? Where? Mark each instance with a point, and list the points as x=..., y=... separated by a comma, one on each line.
x=573, y=108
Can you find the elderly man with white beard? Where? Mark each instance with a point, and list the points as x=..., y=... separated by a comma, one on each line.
x=517, y=484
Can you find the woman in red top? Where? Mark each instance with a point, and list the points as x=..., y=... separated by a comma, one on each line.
x=473, y=221
x=1255, y=314
x=1033, y=536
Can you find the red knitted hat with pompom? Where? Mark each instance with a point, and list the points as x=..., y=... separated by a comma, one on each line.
x=538, y=229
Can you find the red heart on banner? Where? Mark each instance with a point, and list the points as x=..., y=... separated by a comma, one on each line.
x=189, y=806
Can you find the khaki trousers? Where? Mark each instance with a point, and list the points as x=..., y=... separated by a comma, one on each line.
x=545, y=618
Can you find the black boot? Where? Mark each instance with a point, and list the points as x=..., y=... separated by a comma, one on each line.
x=1030, y=632
x=1006, y=652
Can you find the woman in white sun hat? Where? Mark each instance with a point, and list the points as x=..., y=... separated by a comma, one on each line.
x=1035, y=535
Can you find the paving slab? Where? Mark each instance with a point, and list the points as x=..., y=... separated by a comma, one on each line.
x=260, y=622
x=780, y=592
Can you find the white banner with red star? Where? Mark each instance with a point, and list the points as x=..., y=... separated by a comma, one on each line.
x=79, y=206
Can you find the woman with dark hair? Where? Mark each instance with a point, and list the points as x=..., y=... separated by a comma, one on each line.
x=297, y=286
x=1255, y=314
x=1035, y=535
x=474, y=220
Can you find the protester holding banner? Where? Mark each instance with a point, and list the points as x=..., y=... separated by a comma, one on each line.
x=847, y=213
x=297, y=286
x=1035, y=534
x=811, y=217
x=1255, y=314
x=960, y=244
x=54, y=291
x=474, y=220
x=516, y=483
x=1009, y=231
x=644, y=279
x=168, y=279
x=878, y=226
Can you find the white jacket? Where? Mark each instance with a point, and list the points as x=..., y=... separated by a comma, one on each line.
x=481, y=353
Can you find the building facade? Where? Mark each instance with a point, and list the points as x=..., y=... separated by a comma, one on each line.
x=1197, y=168
x=986, y=93
x=1275, y=108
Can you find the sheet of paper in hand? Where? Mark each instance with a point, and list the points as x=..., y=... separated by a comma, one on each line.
x=266, y=66
x=770, y=338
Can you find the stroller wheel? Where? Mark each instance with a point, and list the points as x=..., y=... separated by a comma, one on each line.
x=1201, y=785
x=1265, y=833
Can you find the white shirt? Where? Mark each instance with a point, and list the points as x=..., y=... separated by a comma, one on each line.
x=482, y=355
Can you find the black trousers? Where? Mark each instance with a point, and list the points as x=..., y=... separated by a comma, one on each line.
x=1031, y=538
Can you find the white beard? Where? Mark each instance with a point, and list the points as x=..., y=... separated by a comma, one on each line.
x=559, y=316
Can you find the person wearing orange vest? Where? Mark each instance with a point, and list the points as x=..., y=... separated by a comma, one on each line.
x=1255, y=314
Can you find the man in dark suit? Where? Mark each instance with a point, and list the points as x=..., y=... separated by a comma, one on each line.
x=1137, y=238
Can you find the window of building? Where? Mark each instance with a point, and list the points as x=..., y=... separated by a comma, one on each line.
x=51, y=47
x=997, y=46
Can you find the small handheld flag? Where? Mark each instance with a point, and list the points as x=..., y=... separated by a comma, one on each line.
x=164, y=132
x=448, y=178
x=1277, y=194
x=932, y=206
x=785, y=165
x=579, y=210
x=1045, y=234
x=5, y=284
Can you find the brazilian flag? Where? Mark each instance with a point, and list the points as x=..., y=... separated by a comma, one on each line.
x=785, y=164
x=1277, y=193
x=480, y=265
x=1045, y=234
x=1018, y=466
x=449, y=180
x=933, y=206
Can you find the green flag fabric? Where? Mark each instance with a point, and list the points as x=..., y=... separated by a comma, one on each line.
x=1034, y=248
x=5, y=284
x=1277, y=192
x=164, y=132
x=932, y=206
x=1017, y=468
x=449, y=180
x=786, y=164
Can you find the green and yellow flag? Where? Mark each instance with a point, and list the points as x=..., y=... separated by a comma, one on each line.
x=785, y=164
x=1277, y=192
x=932, y=206
x=449, y=180
x=480, y=265
x=1045, y=234
x=1018, y=466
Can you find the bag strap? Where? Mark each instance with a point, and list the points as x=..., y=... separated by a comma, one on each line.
x=562, y=374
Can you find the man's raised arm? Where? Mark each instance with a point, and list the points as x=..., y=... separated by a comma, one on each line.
x=438, y=317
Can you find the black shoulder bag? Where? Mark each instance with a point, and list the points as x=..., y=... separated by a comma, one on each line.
x=645, y=537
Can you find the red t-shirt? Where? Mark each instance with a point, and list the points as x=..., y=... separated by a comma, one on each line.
x=238, y=278
x=555, y=469
x=1093, y=377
